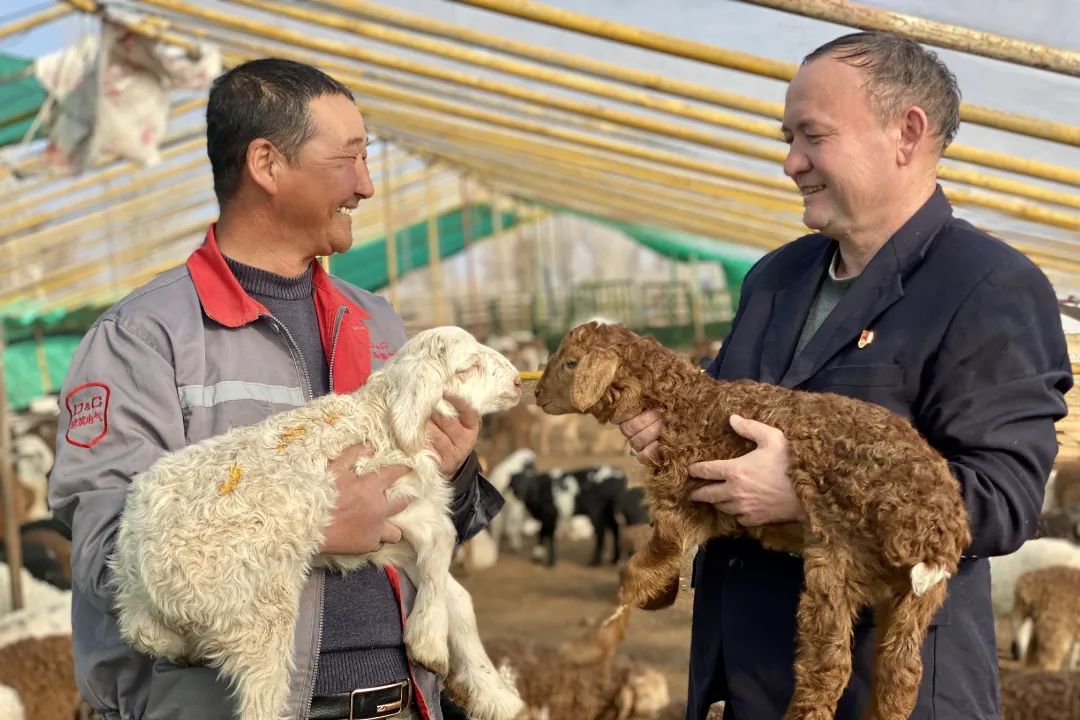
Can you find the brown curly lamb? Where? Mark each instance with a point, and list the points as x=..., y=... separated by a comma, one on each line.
x=1046, y=618
x=1039, y=694
x=886, y=522
x=586, y=679
x=42, y=672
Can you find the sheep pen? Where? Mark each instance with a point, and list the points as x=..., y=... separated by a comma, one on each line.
x=881, y=503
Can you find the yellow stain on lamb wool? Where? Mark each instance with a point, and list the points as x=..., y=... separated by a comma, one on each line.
x=235, y=473
x=331, y=418
x=289, y=436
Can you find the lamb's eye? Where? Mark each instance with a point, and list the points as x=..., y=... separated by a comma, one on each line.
x=571, y=364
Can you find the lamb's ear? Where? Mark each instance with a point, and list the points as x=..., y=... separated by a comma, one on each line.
x=418, y=389
x=593, y=377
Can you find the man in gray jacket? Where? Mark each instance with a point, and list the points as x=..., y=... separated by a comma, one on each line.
x=251, y=325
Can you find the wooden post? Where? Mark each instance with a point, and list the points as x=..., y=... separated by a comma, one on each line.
x=503, y=263
x=696, y=313
x=388, y=222
x=434, y=257
x=470, y=269
x=12, y=538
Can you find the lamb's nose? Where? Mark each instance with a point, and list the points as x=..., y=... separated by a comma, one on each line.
x=517, y=381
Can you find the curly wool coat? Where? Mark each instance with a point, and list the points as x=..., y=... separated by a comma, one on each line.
x=885, y=523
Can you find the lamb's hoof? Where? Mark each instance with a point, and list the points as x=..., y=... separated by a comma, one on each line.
x=646, y=598
x=428, y=648
x=498, y=703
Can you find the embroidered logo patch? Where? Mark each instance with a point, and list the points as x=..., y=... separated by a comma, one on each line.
x=88, y=410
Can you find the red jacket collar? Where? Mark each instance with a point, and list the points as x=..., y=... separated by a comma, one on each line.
x=225, y=301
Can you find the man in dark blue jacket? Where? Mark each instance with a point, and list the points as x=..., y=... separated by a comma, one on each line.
x=896, y=302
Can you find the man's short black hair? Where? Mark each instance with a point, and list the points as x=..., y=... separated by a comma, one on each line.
x=267, y=98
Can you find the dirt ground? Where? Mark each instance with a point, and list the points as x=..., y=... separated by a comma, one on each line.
x=519, y=597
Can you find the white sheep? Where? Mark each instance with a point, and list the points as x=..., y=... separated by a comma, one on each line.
x=1032, y=555
x=11, y=707
x=37, y=621
x=220, y=582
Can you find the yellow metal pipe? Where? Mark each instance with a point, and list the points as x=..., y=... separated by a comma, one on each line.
x=703, y=52
x=129, y=282
x=29, y=23
x=56, y=280
x=529, y=71
x=388, y=219
x=570, y=186
x=1051, y=259
x=554, y=169
x=102, y=294
x=620, y=209
x=623, y=209
x=550, y=56
x=131, y=227
x=434, y=249
x=145, y=26
x=1018, y=208
x=638, y=37
x=999, y=161
x=510, y=140
x=99, y=178
x=415, y=81
x=929, y=32
x=134, y=185
x=64, y=236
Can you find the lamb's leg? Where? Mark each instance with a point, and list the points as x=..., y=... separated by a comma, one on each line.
x=256, y=660
x=825, y=621
x=902, y=626
x=143, y=631
x=651, y=578
x=599, y=530
x=1053, y=642
x=427, y=626
x=473, y=678
x=612, y=522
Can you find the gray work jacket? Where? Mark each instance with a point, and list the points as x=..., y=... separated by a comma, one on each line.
x=184, y=358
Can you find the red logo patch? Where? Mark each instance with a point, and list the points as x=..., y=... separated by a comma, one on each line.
x=88, y=408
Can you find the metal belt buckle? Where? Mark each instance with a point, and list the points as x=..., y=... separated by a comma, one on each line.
x=385, y=709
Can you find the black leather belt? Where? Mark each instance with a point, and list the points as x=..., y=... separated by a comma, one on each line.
x=365, y=704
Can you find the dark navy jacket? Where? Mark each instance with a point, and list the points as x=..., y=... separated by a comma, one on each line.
x=967, y=344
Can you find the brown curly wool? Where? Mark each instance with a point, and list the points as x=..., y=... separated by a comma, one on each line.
x=1048, y=600
x=884, y=509
x=557, y=689
x=1039, y=694
x=42, y=672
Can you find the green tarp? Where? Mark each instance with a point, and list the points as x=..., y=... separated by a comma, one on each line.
x=366, y=266
x=21, y=96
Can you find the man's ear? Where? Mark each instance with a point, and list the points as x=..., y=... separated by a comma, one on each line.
x=915, y=133
x=264, y=164
x=592, y=377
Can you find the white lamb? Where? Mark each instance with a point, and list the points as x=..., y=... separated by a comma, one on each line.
x=216, y=539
